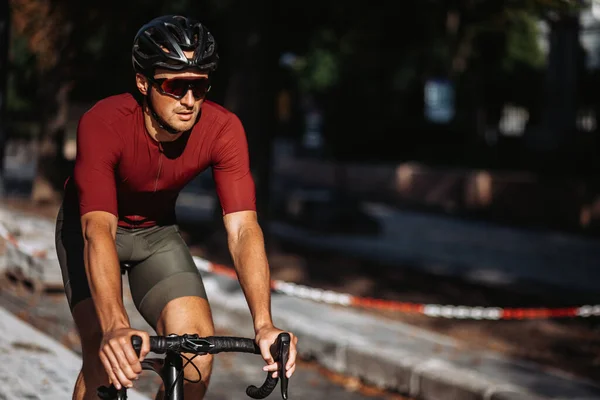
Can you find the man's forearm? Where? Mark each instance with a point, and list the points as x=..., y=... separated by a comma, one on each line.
x=104, y=277
x=252, y=268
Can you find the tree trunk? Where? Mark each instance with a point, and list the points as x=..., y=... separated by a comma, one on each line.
x=4, y=41
x=50, y=174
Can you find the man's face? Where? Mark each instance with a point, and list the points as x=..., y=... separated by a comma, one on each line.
x=182, y=113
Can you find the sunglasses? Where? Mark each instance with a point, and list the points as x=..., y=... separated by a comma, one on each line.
x=178, y=87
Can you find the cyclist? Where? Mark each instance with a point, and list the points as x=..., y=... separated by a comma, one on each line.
x=134, y=155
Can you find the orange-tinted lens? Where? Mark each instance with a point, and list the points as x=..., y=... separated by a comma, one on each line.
x=178, y=87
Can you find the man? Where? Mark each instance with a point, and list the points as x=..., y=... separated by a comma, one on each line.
x=133, y=158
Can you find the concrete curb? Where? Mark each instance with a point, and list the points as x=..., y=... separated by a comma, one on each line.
x=388, y=354
x=398, y=369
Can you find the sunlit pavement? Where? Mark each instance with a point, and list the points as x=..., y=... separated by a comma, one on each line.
x=36, y=365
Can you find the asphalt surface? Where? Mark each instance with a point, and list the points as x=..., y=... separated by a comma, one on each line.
x=232, y=373
x=476, y=252
x=385, y=353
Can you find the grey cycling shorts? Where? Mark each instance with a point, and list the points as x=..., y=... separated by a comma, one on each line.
x=158, y=263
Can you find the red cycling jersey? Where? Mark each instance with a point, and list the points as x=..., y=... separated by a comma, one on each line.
x=122, y=170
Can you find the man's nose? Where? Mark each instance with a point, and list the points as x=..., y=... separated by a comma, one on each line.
x=188, y=100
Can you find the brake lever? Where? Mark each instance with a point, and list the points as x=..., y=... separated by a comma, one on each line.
x=283, y=356
x=280, y=351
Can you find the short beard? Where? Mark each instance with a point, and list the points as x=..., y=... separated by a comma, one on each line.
x=160, y=121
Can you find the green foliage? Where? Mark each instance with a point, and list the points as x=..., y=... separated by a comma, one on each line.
x=376, y=58
x=331, y=51
x=22, y=78
x=559, y=8
x=376, y=53
x=522, y=41
x=319, y=69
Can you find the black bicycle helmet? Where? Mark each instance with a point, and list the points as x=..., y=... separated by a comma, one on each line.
x=161, y=44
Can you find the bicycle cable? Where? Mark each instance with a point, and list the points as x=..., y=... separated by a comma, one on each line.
x=189, y=360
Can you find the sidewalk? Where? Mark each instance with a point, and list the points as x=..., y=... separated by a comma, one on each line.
x=34, y=366
x=387, y=353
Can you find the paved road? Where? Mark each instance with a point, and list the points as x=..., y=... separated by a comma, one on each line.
x=232, y=372
x=235, y=372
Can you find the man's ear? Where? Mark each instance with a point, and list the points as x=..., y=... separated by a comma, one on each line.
x=142, y=83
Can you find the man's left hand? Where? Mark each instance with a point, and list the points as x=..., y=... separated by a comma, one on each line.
x=265, y=338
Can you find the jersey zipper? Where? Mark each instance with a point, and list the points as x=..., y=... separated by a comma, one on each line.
x=159, y=170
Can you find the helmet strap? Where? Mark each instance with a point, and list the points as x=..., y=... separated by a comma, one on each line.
x=161, y=122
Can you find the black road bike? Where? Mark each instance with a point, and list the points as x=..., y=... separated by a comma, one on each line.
x=170, y=369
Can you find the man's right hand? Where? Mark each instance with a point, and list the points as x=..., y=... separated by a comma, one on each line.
x=120, y=359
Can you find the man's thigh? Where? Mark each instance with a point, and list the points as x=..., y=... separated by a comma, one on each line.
x=167, y=285
x=69, y=249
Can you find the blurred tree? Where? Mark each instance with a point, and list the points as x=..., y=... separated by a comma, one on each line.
x=375, y=61
x=49, y=33
x=21, y=80
x=78, y=50
x=365, y=65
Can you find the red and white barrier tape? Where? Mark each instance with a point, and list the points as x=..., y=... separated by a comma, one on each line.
x=32, y=251
x=6, y=235
x=348, y=300
x=431, y=310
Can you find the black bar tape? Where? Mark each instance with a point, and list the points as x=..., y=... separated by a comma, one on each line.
x=232, y=344
x=158, y=344
x=263, y=391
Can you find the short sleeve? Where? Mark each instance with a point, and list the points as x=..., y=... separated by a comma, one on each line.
x=231, y=169
x=98, y=152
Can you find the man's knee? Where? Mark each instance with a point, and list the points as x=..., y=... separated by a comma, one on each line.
x=189, y=315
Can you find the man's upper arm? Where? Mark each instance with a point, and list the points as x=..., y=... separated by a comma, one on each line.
x=98, y=152
x=231, y=169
